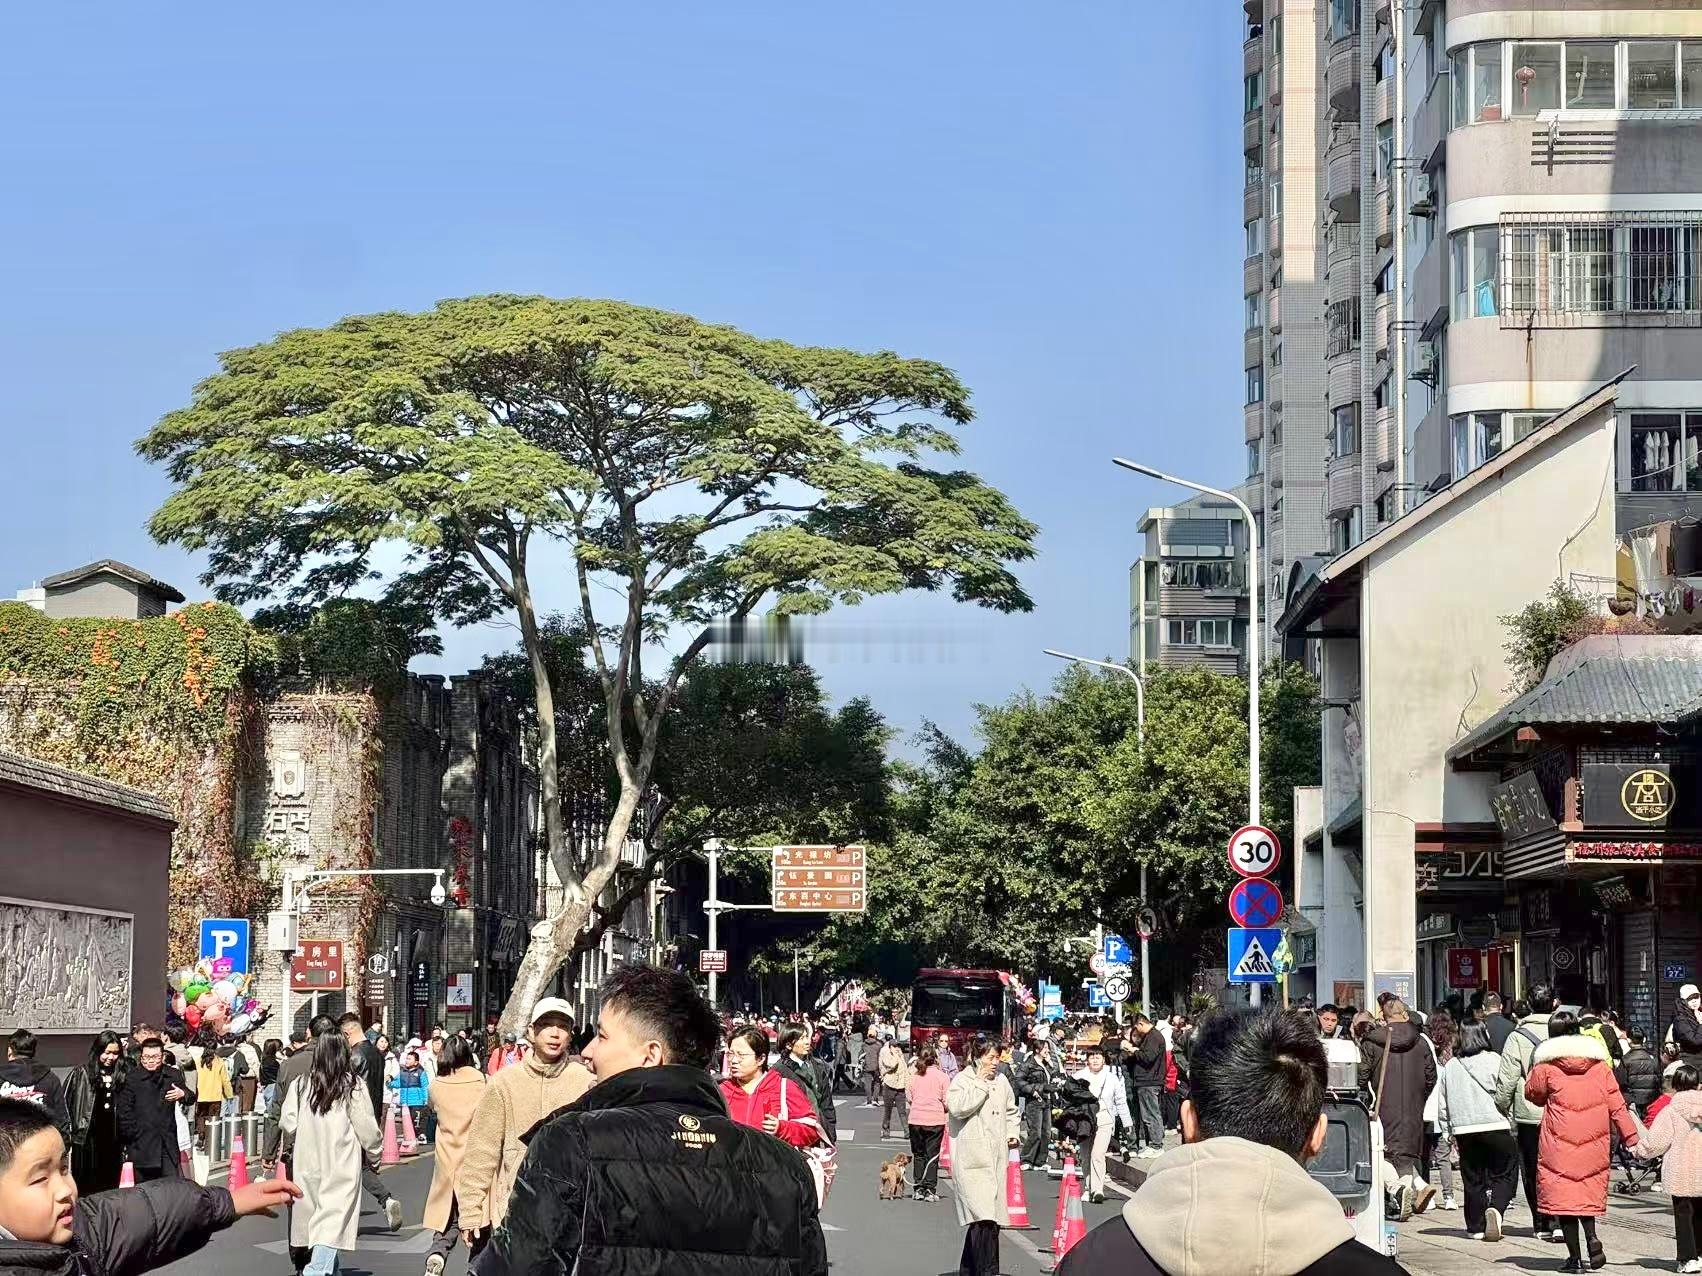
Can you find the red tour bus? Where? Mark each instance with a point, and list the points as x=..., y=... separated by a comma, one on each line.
x=962, y=1004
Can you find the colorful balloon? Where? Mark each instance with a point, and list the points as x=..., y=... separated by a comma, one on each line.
x=204, y=1001
x=225, y=991
x=196, y=991
x=240, y=1024
x=192, y=1017
x=178, y=1004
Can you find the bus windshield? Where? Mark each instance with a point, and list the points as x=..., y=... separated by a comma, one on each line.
x=974, y=1003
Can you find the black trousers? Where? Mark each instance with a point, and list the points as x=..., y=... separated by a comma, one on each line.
x=1569, y=1227
x=1684, y=1213
x=890, y=1099
x=1530, y=1134
x=1489, y=1163
x=980, y=1250
x=925, y=1143
x=1035, y=1118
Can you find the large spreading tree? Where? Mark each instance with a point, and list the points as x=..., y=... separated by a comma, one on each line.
x=684, y=474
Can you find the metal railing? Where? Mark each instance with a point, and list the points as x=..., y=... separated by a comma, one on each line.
x=1592, y=269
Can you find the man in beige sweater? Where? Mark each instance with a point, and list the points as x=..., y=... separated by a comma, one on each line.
x=516, y=1099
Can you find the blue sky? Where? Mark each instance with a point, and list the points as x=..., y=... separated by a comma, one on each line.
x=1043, y=197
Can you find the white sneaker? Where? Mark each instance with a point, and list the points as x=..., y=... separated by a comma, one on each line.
x=393, y=1214
x=1492, y=1225
x=1447, y=1203
x=1476, y=1236
x=1694, y=1265
x=434, y=1265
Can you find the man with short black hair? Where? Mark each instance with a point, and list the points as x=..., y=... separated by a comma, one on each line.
x=699, y=1192
x=1236, y=1198
x=1516, y=1054
x=146, y=1109
x=1329, y=1022
x=1496, y=1020
x=21, y=1077
x=368, y=1064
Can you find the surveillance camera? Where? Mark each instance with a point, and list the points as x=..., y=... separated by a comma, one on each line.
x=438, y=894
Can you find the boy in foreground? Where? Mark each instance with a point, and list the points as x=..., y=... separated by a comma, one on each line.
x=44, y=1228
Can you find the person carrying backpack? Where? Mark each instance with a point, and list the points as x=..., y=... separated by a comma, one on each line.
x=1522, y=1045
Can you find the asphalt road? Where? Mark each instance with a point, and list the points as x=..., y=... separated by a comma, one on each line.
x=865, y=1236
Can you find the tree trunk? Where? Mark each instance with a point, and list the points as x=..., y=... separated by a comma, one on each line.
x=550, y=946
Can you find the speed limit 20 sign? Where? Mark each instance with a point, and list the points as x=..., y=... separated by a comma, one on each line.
x=1254, y=851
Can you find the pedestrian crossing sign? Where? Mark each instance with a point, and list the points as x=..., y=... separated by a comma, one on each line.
x=1250, y=954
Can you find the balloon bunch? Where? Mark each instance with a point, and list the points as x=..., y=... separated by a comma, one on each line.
x=201, y=998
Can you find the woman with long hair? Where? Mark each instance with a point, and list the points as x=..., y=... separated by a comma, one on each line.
x=269, y=1065
x=925, y=1101
x=1439, y=1034
x=796, y=1065
x=212, y=1085
x=335, y=1128
x=91, y=1098
x=454, y=1096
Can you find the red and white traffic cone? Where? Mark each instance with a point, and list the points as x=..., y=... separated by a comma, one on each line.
x=391, y=1153
x=410, y=1142
x=238, y=1164
x=1070, y=1183
x=1016, y=1201
x=945, y=1151
x=1075, y=1226
x=127, y=1175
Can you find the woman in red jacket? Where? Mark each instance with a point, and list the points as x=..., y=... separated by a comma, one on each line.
x=1572, y=1082
x=756, y=1097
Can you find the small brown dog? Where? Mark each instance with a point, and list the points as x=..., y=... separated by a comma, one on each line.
x=892, y=1177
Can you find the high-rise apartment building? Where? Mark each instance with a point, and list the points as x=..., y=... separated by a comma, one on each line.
x=1188, y=590
x=1284, y=296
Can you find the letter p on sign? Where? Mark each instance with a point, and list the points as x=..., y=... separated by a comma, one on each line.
x=226, y=939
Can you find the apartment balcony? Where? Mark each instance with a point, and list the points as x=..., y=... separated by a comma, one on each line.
x=1381, y=213
x=1273, y=310
x=1382, y=313
x=1341, y=377
x=1341, y=172
x=1252, y=274
x=1273, y=390
x=1253, y=347
x=1383, y=100
x=1273, y=463
x=1253, y=201
x=1252, y=131
x=1383, y=435
x=1254, y=421
x=1255, y=9
x=1341, y=78
x=1342, y=480
x=1343, y=283
x=1253, y=55
x=1341, y=247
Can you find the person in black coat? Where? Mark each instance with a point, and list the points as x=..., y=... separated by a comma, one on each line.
x=152, y=1095
x=1687, y=1025
x=700, y=1195
x=1033, y=1081
x=1639, y=1073
x=1145, y=1068
x=21, y=1077
x=1495, y=1019
x=91, y=1097
x=1401, y=1071
x=48, y=1229
x=1236, y=1197
x=814, y=1075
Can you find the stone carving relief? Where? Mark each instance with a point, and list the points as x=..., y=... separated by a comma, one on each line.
x=63, y=968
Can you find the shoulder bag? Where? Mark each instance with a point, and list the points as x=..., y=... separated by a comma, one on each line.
x=821, y=1157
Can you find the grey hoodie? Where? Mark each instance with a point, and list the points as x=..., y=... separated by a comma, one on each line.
x=1229, y=1207
x=1468, y=1095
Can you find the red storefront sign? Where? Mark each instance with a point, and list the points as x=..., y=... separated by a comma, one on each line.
x=1465, y=968
x=1637, y=852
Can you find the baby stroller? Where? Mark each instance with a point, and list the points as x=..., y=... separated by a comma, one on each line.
x=1640, y=1175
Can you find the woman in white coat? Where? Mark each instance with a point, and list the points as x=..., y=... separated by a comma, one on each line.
x=981, y=1110
x=334, y=1127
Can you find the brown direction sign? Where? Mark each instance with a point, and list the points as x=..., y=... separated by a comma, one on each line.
x=317, y=966
x=820, y=879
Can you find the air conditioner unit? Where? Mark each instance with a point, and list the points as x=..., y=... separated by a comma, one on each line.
x=1424, y=196
x=1425, y=359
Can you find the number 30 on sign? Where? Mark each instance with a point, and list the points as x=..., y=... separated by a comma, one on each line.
x=1254, y=851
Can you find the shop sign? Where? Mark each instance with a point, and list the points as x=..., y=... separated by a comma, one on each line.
x=460, y=991
x=1634, y=852
x=1628, y=795
x=1675, y=972
x=1469, y=869
x=1465, y=968
x=1348, y=992
x=1436, y=926
x=1520, y=808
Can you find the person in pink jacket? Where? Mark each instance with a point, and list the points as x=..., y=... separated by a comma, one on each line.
x=1572, y=1082
x=765, y=1100
x=1676, y=1137
x=925, y=1097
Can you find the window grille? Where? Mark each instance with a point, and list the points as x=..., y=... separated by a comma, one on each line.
x=1595, y=269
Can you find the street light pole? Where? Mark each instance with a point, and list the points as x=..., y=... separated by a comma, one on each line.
x=1254, y=642
x=1140, y=738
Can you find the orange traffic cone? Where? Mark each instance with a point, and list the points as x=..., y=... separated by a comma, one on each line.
x=1069, y=1185
x=238, y=1164
x=1075, y=1226
x=127, y=1175
x=1016, y=1202
x=409, y=1141
x=945, y=1151
x=391, y=1153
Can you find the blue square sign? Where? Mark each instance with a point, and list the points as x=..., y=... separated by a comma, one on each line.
x=1250, y=954
x=1117, y=951
x=226, y=939
x=1097, y=999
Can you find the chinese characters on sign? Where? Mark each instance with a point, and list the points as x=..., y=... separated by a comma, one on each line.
x=318, y=966
x=287, y=813
x=819, y=879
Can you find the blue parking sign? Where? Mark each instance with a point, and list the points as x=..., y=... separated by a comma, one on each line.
x=1097, y=998
x=1117, y=951
x=226, y=939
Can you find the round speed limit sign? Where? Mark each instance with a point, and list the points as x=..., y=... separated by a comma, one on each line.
x=1254, y=851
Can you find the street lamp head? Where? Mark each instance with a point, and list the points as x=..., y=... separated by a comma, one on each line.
x=438, y=894
x=1138, y=468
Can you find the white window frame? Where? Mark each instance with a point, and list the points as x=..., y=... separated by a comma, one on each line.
x=1254, y=233
x=1463, y=108
x=1689, y=440
x=1567, y=278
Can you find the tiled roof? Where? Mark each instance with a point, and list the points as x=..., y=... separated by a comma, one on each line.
x=1606, y=679
x=34, y=774
x=133, y=574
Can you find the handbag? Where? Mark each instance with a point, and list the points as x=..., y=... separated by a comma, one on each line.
x=822, y=1157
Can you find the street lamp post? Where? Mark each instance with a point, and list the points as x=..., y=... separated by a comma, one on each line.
x=1253, y=642
x=1140, y=739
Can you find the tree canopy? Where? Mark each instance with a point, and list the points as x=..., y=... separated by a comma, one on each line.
x=686, y=473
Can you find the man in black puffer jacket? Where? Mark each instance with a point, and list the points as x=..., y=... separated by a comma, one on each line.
x=700, y=1195
x=1639, y=1073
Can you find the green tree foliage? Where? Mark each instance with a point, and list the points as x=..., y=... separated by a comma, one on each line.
x=1043, y=833
x=685, y=472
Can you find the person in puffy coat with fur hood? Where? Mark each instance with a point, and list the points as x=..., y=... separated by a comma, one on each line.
x=1572, y=1081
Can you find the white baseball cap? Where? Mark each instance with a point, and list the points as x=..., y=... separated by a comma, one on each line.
x=551, y=1006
